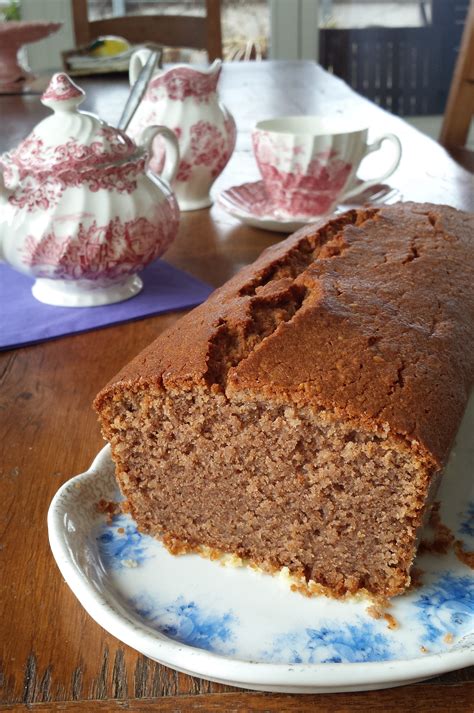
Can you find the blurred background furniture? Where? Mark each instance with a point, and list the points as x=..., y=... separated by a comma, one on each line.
x=171, y=30
x=405, y=69
x=460, y=106
x=400, y=55
x=13, y=35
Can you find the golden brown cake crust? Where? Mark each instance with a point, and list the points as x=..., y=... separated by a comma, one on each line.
x=373, y=316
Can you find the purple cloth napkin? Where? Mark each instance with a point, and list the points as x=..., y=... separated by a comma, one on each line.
x=24, y=320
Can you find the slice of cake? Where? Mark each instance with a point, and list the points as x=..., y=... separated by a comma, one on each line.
x=300, y=417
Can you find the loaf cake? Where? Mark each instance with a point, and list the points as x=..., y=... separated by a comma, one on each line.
x=300, y=418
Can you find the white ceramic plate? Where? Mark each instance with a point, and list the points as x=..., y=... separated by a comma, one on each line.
x=250, y=204
x=247, y=629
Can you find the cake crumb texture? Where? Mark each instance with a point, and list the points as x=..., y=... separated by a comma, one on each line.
x=300, y=417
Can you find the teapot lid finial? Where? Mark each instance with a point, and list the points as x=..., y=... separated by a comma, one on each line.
x=62, y=93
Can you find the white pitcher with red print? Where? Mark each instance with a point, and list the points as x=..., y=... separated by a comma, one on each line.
x=185, y=100
x=80, y=210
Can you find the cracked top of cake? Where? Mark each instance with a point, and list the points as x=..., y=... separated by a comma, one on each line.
x=369, y=316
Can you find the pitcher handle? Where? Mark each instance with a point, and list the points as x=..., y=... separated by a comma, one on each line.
x=375, y=146
x=172, y=149
x=137, y=62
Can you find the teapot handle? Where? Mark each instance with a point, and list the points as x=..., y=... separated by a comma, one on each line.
x=172, y=149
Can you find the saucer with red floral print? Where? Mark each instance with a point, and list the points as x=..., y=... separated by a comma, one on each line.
x=251, y=204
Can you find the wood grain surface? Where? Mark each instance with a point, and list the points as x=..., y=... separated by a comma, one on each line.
x=53, y=656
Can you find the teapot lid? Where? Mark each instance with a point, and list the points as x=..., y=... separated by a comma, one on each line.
x=69, y=139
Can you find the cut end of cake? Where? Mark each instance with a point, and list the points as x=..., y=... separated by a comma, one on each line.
x=299, y=418
x=271, y=484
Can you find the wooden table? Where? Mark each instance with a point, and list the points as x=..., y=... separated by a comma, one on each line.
x=54, y=657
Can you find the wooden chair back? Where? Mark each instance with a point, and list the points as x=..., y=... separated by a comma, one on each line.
x=460, y=105
x=171, y=30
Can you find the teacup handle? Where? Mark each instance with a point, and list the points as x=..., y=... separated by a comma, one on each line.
x=137, y=61
x=375, y=146
x=172, y=149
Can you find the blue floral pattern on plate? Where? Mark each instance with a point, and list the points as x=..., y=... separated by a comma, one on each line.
x=335, y=643
x=446, y=607
x=121, y=544
x=467, y=523
x=189, y=623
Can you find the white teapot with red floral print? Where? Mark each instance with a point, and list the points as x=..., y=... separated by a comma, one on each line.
x=79, y=209
x=185, y=100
